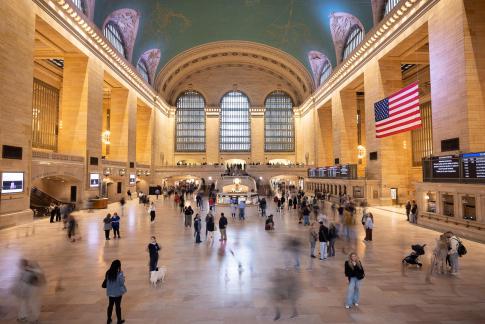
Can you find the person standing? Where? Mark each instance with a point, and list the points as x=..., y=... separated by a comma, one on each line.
x=242, y=207
x=332, y=237
x=290, y=203
x=58, y=212
x=128, y=193
x=115, y=224
x=369, y=225
x=408, y=210
x=323, y=239
x=210, y=227
x=151, y=209
x=306, y=215
x=262, y=205
x=52, y=211
x=107, y=226
x=188, y=212
x=313, y=236
x=157, y=193
x=115, y=289
x=233, y=207
x=295, y=202
x=197, y=228
x=153, y=249
x=222, y=227
x=71, y=228
x=355, y=273
x=453, y=243
x=414, y=212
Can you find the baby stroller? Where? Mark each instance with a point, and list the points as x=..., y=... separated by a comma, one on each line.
x=413, y=258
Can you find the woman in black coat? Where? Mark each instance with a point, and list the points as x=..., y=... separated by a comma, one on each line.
x=355, y=273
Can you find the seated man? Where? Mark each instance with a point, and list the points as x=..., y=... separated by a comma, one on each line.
x=269, y=226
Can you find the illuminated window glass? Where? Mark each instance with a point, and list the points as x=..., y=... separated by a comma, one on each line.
x=356, y=36
x=113, y=35
x=190, y=123
x=327, y=70
x=143, y=70
x=235, y=130
x=45, y=115
x=390, y=5
x=422, y=138
x=279, y=126
x=80, y=5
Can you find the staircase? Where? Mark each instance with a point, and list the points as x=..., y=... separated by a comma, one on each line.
x=40, y=202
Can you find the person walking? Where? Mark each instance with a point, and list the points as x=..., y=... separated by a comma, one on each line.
x=295, y=202
x=114, y=282
x=52, y=211
x=263, y=205
x=197, y=228
x=122, y=205
x=323, y=239
x=188, y=212
x=157, y=193
x=306, y=215
x=414, y=212
x=313, y=236
x=151, y=209
x=290, y=203
x=332, y=237
x=58, y=212
x=222, y=227
x=209, y=227
x=71, y=228
x=153, y=249
x=107, y=226
x=355, y=273
x=408, y=210
x=128, y=193
x=233, y=207
x=369, y=225
x=115, y=224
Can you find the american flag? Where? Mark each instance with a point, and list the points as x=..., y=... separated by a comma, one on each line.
x=398, y=113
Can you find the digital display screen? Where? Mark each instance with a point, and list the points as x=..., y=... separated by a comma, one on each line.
x=94, y=180
x=12, y=182
x=473, y=165
x=132, y=178
x=446, y=167
x=348, y=171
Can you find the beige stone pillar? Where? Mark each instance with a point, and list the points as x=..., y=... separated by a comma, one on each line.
x=123, y=125
x=344, y=126
x=393, y=165
x=212, y=134
x=257, y=135
x=324, y=136
x=457, y=71
x=144, y=132
x=17, y=28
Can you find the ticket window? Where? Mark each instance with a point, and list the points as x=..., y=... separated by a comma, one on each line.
x=448, y=205
x=469, y=210
x=431, y=202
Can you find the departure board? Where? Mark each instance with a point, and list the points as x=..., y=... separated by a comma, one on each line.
x=473, y=166
x=347, y=171
x=446, y=167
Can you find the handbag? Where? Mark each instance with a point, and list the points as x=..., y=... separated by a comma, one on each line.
x=103, y=285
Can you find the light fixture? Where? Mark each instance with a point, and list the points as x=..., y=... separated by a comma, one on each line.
x=360, y=152
x=105, y=137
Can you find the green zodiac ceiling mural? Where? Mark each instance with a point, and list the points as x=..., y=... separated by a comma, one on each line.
x=294, y=26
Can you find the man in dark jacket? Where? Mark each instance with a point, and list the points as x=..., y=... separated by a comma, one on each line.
x=222, y=227
x=323, y=238
x=408, y=210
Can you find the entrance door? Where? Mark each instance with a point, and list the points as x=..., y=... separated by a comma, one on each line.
x=73, y=193
x=119, y=187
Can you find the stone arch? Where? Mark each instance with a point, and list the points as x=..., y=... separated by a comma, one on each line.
x=151, y=58
x=341, y=24
x=318, y=61
x=127, y=21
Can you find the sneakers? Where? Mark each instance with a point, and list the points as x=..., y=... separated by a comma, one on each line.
x=356, y=305
x=347, y=306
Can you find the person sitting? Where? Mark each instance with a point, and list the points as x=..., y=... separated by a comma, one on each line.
x=269, y=226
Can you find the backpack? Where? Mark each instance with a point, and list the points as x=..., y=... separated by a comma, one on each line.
x=461, y=248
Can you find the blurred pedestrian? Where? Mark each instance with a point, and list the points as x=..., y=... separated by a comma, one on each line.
x=122, y=205
x=285, y=291
x=369, y=225
x=355, y=273
x=151, y=209
x=323, y=239
x=313, y=237
x=115, y=289
x=332, y=237
x=71, y=228
x=107, y=226
x=209, y=227
x=188, y=212
x=222, y=227
x=269, y=224
x=197, y=228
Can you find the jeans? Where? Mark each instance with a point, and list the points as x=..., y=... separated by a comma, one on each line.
x=331, y=247
x=306, y=219
x=312, y=247
x=323, y=250
x=241, y=213
x=353, y=292
x=454, y=262
x=116, y=301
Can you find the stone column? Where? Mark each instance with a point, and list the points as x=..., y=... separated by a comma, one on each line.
x=324, y=136
x=17, y=28
x=344, y=126
x=257, y=135
x=144, y=131
x=123, y=123
x=381, y=79
x=212, y=134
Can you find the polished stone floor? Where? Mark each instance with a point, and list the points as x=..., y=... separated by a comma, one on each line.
x=231, y=283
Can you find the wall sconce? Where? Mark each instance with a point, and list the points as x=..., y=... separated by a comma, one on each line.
x=107, y=171
x=360, y=152
x=122, y=172
x=428, y=195
x=147, y=173
x=105, y=137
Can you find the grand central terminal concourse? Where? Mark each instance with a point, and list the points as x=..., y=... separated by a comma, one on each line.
x=242, y=161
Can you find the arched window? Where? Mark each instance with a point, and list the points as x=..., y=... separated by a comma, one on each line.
x=390, y=5
x=353, y=40
x=327, y=70
x=279, y=126
x=143, y=70
x=113, y=34
x=235, y=129
x=190, y=123
x=81, y=5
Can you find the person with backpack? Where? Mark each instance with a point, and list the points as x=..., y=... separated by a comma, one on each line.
x=455, y=250
x=323, y=239
x=114, y=282
x=306, y=215
x=355, y=273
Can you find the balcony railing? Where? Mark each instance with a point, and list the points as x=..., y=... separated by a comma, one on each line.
x=43, y=155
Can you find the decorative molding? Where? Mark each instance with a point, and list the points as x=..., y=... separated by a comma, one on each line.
x=152, y=59
x=127, y=21
x=90, y=5
x=378, y=7
x=341, y=23
x=317, y=62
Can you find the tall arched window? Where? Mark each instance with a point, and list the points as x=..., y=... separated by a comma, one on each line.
x=235, y=129
x=190, y=123
x=390, y=5
x=327, y=70
x=143, y=70
x=81, y=5
x=356, y=35
x=113, y=34
x=279, y=126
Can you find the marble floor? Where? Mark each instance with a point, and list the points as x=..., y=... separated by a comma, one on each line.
x=230, y=283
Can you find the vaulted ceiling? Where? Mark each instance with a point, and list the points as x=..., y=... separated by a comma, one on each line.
x=293, y=26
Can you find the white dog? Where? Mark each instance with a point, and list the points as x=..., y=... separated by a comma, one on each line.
x=158, y=276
